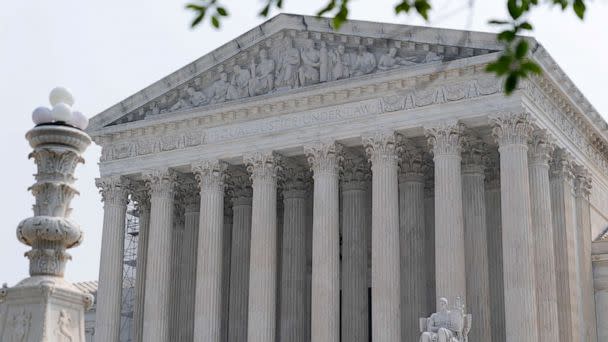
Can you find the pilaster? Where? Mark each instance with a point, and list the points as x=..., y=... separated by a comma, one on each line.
x=210, y=175
x=263, y=167
x=512, y=132
x=382, y=149
x=324, y=159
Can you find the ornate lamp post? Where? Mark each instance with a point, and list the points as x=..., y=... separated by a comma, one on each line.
x=45, y=307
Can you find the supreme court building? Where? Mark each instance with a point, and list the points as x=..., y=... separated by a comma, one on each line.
x=305, y=184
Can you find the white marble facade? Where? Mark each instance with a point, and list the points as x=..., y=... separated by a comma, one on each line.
x=302, y=184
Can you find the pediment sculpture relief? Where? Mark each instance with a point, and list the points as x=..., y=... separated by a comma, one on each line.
x=446, y=325
x=289, y=61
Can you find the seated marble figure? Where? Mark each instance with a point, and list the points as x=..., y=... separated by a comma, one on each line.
x=446, y=325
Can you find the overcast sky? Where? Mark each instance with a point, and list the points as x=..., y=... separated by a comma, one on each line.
x=107, y=50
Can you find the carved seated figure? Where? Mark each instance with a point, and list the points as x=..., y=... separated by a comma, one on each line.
x=446, y=325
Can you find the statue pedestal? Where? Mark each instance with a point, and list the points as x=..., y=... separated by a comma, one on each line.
x=43, y=309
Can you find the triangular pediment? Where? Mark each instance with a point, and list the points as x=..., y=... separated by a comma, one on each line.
x=290, y=52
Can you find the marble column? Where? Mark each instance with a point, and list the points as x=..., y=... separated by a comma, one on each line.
x=382, y=149
x=226, y=266
x=412, y=240
x=261, y=325
x=114, y=194
x=475, y=239
x=293, y=256
x=429, y=222
x=494, y=235
x=158, y=263
x=582, y=190
x=177, y=237
x=445, y=139
x=239, y=270
x=142, y=200
x=355, y=304
x=324, y=159
x=539, y=153
x=189, y=252
x=512, y=132
x=600, y=285
x=210, y=175
x=564, y=222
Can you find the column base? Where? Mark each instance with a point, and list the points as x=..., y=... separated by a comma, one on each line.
x=43, y=308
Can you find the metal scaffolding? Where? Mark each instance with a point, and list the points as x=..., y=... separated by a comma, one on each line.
x=128, y=272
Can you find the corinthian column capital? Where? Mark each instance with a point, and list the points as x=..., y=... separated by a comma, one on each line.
x=474, y=155
x=445, y=138
x=540, y=148
x=512, y=128
x=561, y=165
x=263, y=166
x=114, y=189
x=382, y=146
x=582, y=181
x=355, y=172
x=412, y=164
x=324, y=157
x=161, y=182
x=141, y=196
x=295, y=181
x=210, y=174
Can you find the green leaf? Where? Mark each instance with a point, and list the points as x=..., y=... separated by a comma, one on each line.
x=403, y=6
x=514, y=9
x=215, y=21
x=511, y=83
x=531, y=67
x=222, y=11
x=196, y=7
x=423, y=7
x=330, y=6
x=506, y=36
x=197, y=20
x=579, y=8
x=525, y=26
x=264, y=11
x=521, y=49
x=498, y=22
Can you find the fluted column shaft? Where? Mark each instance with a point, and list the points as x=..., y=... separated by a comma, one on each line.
x=188, y=278
x=142, y=198
x=261, y=326
x=210, y=175
x=562, y=208
x=239, y=270
x=413, y=243
x=382, y=149
x=542, y=223
x=355, y=303
x=114, y=195
x=325, y=291
x=476, y=247
x=293, y=258
x=512, y=133
x=600, y=285
x=177, y=239
x=158, y=269
x=494, y=235
x=582, y=189
x=450, y=280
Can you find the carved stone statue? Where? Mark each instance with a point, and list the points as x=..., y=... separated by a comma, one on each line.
x=262, y=81
x=196, y=98
x=446, y=325
x=154, y=110
x=239, y=85
x=182, y=102
x=324, y=69
x=390, y=60
x=65, y=327
x=365, y=62
x=341, y=63
x=216, y=92
x=287, y=75
x=309, y=70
